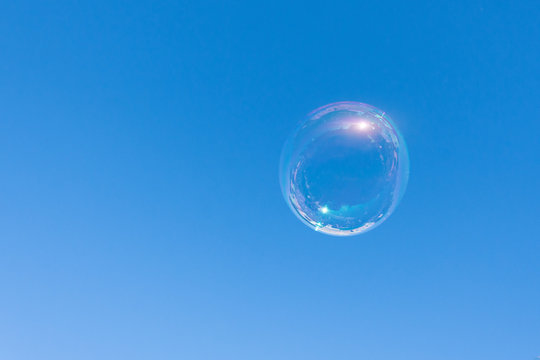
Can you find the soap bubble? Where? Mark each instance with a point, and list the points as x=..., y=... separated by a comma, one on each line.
x=344, y=169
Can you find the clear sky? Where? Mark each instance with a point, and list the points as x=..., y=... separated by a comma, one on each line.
x=140, y=209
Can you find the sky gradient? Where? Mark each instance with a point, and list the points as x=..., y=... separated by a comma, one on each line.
x=141, y=215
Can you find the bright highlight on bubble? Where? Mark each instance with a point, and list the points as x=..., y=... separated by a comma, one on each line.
x=344, y=169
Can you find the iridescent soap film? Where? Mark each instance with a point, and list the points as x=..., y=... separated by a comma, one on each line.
x=344, y=169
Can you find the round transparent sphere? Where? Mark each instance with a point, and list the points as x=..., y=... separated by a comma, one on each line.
x=344, y=169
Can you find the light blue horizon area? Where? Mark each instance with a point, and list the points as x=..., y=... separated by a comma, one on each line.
x=141, y=215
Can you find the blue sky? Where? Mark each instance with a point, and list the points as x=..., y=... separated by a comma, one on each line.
x=140, y=211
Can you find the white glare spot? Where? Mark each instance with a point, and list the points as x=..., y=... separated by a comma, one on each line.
x=363, y=125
